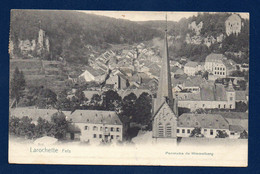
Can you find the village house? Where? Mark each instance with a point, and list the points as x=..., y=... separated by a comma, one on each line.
x=118, y=80
x=208, y=97
x=91, y=74
x=238, y=122
x=95, y=126
x=34, y=113
x=191, y=68
x=209, y=124
x=218, y=66
x=233, y=24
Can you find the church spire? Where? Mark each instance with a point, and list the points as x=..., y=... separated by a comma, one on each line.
x=164, y=92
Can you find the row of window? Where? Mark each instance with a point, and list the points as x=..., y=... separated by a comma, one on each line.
x=112, y=129
x=189, y=131
x=224, y=106
x=219, y=73
x=208, y=106
x=219, y=68
x=101, y=136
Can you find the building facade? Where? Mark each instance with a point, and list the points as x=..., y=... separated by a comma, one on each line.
x=95, y=126
x=233, y=24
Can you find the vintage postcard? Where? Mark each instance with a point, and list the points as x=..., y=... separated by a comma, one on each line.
x=129, y=88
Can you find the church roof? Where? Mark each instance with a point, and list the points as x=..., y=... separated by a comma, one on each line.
x=165, y=85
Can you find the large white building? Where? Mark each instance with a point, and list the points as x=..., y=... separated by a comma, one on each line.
x=95, y=126
x=209, y=125
x=218, y=66
x=208, y=97
x=233, y=24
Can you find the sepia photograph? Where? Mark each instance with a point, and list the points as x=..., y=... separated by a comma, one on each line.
x=156, y=88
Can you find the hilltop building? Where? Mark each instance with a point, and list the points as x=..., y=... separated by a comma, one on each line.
x=233, y=24
x=165, y=112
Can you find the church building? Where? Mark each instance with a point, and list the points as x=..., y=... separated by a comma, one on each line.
x=164, y=120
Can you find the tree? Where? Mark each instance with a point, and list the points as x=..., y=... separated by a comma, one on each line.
x=129, y=107
x=17, y=84
x=63, y=103
x=221, y=134
x=241, y=106
x=95, y=102
x=46, y=98
x=43, y=128
x=79, y=94
x=196, y=132
x=59, y=125
x=244, y=135
x=22, y=127
x=143, y=109
x=112, y=101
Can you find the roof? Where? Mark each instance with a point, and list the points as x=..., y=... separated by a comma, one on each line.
x=234, y=115
x=33, y=113
x=191, y=64
x=94, y=72
x=95, y=117
x=220, y=93
x=213, y=121
x=137, y=92
x=233, y=17
x=195, y=81
x=89, y=94
x=207, y=93
x=213, y=57
x=236, y=128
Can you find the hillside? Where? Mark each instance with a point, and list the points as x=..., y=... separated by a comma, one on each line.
x=73, y=35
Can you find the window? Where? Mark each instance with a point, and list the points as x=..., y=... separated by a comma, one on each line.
x=232, y=133
x=94, y=136
x=178, y=130
x=160, y=130
x=86, y=127
x=203, y=105
x=231, y=98
x=95, y=128
x=100, y=135
x=106, y=129
x=112, y=136
x=117, y=137
x=118, y=129
x=168, y=130
x=112, y=129
x=219, y=106
x=183, y=131
x=230, y=106
x=188, y=131
x=101, y=128
x=205, y=130
x=224, y=106
x=211, y=132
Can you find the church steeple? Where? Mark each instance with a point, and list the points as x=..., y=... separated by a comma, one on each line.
x=164, y=92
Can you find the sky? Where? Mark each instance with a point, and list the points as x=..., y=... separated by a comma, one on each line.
x=147, y=16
